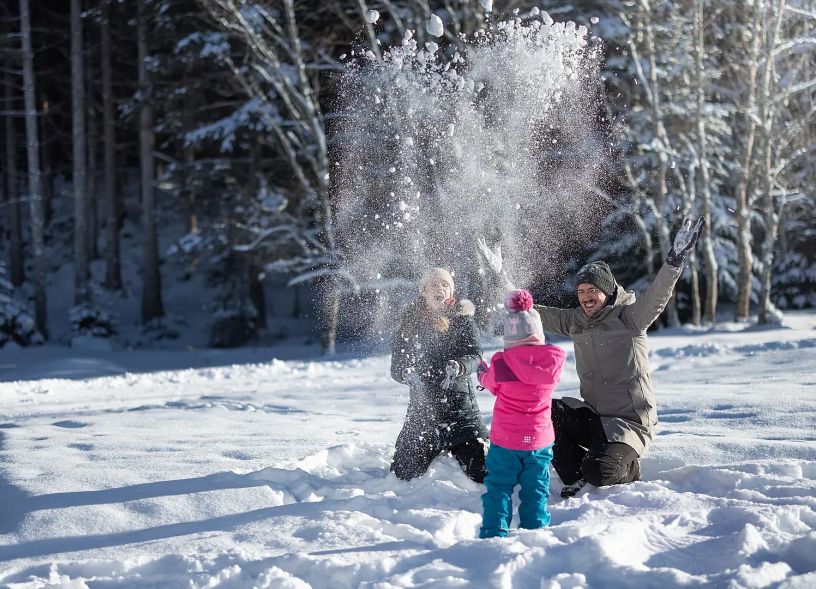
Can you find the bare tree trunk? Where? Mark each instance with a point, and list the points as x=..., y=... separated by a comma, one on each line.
x=151, y=292
x=93, y=141
x=113, y=271
x=255, y=286
x=47, y=138
x=189, y=190
x=321, y=170
x=93, y=208
x=696, y=306
x=257, y=295
x=743, y=212
x=34, y=187
x=709, y=259
x=648, y=247
x=15, y=225
x=663, y=234
x=329, y=314
x=770, y=213
x=82, y=293
x=191, y=195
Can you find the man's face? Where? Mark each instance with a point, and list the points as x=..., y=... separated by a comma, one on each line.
x=590, y=298
x=436, y=291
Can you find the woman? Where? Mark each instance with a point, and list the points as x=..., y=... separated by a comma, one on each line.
x=435, y=352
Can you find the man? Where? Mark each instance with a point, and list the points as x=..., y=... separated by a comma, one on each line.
x=600, y=439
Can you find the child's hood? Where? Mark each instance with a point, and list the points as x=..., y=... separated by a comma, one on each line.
x=537, y=365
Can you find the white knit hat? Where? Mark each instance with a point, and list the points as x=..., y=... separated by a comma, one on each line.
x=435, y=274
x=522, y=325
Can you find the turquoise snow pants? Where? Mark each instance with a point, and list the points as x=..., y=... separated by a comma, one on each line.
x=506, y=469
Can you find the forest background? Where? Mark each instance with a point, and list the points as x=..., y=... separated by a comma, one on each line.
x=152, y=143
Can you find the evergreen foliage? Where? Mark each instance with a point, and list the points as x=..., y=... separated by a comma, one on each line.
x=246, y=98
x=16, y=323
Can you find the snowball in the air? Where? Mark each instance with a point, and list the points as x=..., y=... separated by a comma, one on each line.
x=434, y=26
x=534, y=11
x=487, y=5
x=372, y=16
x=594, y=20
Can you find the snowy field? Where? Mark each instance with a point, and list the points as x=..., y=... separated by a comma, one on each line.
x=262, y=472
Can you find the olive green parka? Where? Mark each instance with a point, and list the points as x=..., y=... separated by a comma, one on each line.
x=612, y=358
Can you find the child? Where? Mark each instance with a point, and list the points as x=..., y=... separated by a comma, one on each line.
x=523, y=378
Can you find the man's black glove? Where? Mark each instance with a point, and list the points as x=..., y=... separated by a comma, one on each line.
x=684, y=241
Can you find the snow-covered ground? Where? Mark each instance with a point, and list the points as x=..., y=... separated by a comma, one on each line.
x=125, y=470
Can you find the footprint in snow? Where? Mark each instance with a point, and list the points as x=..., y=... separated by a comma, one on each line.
x=69, y=424
x=83, y=447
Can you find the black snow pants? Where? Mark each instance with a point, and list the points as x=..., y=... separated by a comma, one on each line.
x=412, y=461
x=582, y=451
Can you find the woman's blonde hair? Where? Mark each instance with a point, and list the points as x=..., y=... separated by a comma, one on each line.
x=420, y=312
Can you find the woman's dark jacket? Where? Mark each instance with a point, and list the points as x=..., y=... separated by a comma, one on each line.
x=438, y=418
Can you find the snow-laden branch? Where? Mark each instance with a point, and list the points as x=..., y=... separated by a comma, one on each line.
x=326, y=272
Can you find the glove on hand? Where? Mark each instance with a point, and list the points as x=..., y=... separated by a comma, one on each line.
x=684, y=241
x=410, y=377
x=494, y=260
x=481, y=370
x=452, y=370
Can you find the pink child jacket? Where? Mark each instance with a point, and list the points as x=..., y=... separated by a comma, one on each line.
x=523, y=379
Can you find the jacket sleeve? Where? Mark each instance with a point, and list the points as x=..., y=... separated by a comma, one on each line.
x=648, y=306
x=469, y=351
x=555, y=320
x=488, y=378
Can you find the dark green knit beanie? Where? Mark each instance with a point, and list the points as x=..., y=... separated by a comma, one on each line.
x=599, y=275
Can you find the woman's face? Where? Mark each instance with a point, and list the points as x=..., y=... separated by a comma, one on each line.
x=436, y=291
x=591, y=298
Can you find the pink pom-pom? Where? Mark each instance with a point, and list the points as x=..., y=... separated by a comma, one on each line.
x=519, y=300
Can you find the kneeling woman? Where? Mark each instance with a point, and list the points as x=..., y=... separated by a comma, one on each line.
x=435, y=352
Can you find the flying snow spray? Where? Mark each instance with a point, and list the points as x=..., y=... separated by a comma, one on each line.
x=495, y=137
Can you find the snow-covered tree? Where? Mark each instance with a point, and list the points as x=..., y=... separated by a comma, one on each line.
x=16, y=324
x=786, y=114
x=280, y=74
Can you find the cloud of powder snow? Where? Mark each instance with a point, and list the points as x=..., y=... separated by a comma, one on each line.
x=499, y=140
